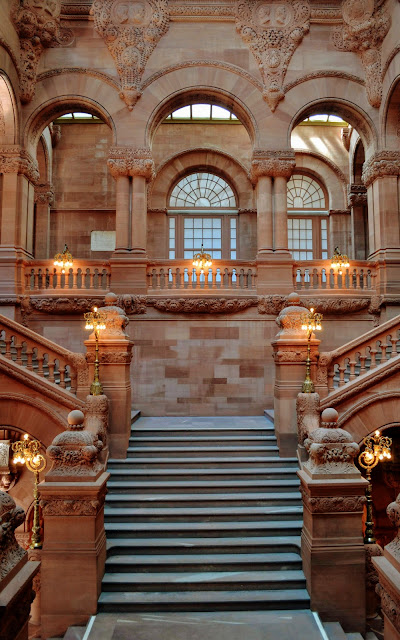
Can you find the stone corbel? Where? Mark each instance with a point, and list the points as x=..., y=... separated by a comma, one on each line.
x=356, y=195
x=131, y=31
x=37, y=23
x=272, y=163
x=273, y=31
x=127, y=161
x=44, y=194
x=365, y=25
x=382, y=163
x=14, y=159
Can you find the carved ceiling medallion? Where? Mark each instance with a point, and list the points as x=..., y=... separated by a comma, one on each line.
x=273, y=31
x=131, y=30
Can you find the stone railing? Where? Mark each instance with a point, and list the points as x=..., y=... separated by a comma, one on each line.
x=341, y=366
x=320, y=276
x=85, y=276
x=224, y=275
x=57, y=365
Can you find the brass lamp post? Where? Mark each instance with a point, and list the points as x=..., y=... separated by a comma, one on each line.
x=339, y=261
x=311, y=322
x=27, y=452
x=377, y=448
x=96, y=321
x=64, y=259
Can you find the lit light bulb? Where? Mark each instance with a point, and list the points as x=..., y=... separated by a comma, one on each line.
x=377, y=433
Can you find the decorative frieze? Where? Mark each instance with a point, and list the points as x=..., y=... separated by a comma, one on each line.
x=202, y=305
x=131, y=31
x=127, y=161
x=14, y=159
x=333, y=504
x=381, y=164
x=365, y=25
x=37, y=23
x=273, y=31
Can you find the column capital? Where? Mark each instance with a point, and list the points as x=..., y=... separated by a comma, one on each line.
x=44, y=193
x=128, y=161
x=356, y=195
x=275, y=164
x=15, y=159
x=382, y=163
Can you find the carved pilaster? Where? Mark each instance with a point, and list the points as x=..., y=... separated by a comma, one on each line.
x=273, y=31
x=272, y=163
x=37, y=23
x=365, y=25
x=382, y=163
x=14, y=159
x=131, y=31
x=127, y=161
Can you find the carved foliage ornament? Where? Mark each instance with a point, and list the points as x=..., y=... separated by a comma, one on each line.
x=131, y=30
x=383, y=163
x=37, y=23
x=11, y=517
x=14, y=159
x=333, y=504
x=366, y=23
x=127, y=161
x=273, y=31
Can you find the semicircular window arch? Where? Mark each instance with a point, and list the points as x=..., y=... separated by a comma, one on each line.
x=202, y=190
x=304, y=192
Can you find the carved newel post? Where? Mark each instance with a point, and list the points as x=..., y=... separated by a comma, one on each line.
x=388, y=567
x=16, y=574
x=115, y=348
x=331, y=542
x=74, y=547
x=290, y=354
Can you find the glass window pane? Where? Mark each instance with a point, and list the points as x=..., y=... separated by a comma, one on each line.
x=183, y=112
x=202, y=190
x=219, y=112
x=201, y=111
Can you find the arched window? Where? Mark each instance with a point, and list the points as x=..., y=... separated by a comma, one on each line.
x=202, y=211
x=307, y=218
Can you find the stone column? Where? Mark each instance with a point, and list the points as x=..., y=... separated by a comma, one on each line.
x=331, y=543
x=20, y=173
x=290, y=354
x=115, y=354
x=270, y=170
x=381, y=177
x=357, y=201
x=44, y=198
x=388, y=567
x=131, y=168
x=16, y=574
x=74, y=547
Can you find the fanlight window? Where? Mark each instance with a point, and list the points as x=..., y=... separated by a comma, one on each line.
x=202, y=190
x=304, y=193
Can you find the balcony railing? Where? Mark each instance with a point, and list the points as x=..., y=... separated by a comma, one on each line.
x=225, y=276
x=320, y=276
x=85, y=275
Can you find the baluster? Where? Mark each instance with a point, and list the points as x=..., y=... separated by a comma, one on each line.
x=158, y=280
x=74, y=274
x=27, y=285
x=51, y=366
x=342, y=369
x=384, y=346
x=363, y=359
x=331, y=375
x=352, y=365
x=230, y=274
x=372, y=353
x=8, y=347
x=253, y=280
x=108, y=280
x=294, y=278
x=92, y=278
x=72, y=377
x=358, y=279
x=29, y=356
x=18, y=348
x=393, y=342
x=247, y=277
x=40, y=361
x=62, y=377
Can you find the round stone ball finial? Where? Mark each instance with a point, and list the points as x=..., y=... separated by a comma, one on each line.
x=293, y=299
x=110, y=299
x=329, y=415
x=75, y=419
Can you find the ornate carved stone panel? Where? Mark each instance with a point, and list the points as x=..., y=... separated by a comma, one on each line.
x=127, y=161
x=37, y=23
x=131, y=30
x=365, y=24
x=273, y=31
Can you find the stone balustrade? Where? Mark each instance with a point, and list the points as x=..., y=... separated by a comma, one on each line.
x=44, y=358
x=340, y=366
x=177, y=275
x=85, y=276
x=319, y=275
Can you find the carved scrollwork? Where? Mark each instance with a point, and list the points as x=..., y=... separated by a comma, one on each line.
x=390, y=603
x=307, y=410
x=14, y=159
x=131, y=31
x=382, y=163
x=333, y=504
x=70, y=507
x=273, y=31
x=202, y=305
x=271, y=305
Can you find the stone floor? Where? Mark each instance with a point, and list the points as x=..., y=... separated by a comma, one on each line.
x=256, y=625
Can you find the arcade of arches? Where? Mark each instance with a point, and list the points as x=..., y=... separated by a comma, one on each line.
x=138, y=133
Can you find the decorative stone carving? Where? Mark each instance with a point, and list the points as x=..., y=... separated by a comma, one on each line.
x=11, y=517
x=271, y=304
x=116, y=319
x=382, y=163
x=331, y=450
x=64, y=305
x=37, y=23
x=307, y=409
x=365, y=26
x=44, y=194
x=390, y=602
x=96, y=416
x=273, y=31
x=337, y=305
x=272, y=163
x=356, y=195
x=202, y=305
x=73, y=507
x=2, y=121
x=289, y=319
x=133, y=304
x=55, y=132
x=14, y=159
x=393, y=511
x=131, y=30
x=333, y=504
x=75, y=452
x=127, y=161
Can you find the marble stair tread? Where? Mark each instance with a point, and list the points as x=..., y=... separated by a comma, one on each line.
x=231, y=544
x=208, y=438
x=196, y=497
x=209, y=527
x=214, y=449
x=266, y=428
x=282, y=561
x=334, y=631
x=209, y=512
x=234, y=486
x=269, y=414
x=115, y=465
x=211, y=459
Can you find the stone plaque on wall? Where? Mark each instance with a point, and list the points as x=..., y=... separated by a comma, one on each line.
x=102, y=241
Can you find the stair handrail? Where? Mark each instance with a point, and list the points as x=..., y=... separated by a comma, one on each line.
x=357, y=357
x=58, y=365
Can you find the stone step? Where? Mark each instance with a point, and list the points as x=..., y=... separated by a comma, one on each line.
x=203, y=462
x=202, y=529
x=125, y=471
x=214, y=451
x=168, y=441
x=202, y=514
x=200, y=562
x=202, y=499
x=238, y=600
x=334, y=630
x=201, y=581
x=231, y=430
x=210, y=486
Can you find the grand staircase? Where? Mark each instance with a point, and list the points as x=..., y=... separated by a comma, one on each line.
x=203, y=515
